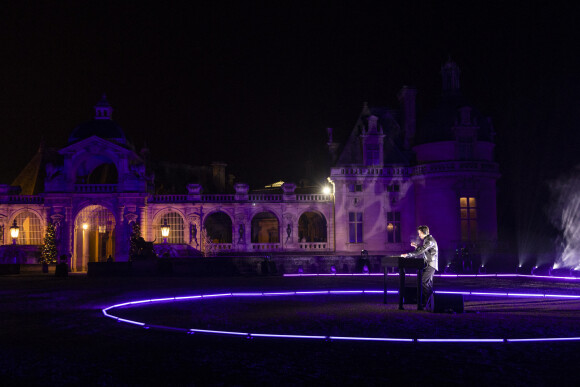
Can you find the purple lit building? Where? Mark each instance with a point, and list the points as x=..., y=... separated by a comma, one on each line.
x=393, y=173
x=396, y=172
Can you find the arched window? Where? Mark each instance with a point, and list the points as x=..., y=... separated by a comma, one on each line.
x=219, y=227
x=265, y=228
x=30, y=232
x=312, y=227
x=104, y=174
x=176, y=230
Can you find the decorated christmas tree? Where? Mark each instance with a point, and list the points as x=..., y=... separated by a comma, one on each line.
x=135, y=235
x=49, y=253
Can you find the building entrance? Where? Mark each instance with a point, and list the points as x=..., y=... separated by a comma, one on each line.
x=94, y=237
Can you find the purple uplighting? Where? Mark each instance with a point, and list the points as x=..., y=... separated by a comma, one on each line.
x=441, y=275
x=331, y=338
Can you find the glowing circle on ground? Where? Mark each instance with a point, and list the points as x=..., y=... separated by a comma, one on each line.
x=106, y=311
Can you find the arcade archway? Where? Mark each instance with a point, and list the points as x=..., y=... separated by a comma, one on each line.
x=94, y=237
x=219, y=227
x=312, y=227
x=265, y=228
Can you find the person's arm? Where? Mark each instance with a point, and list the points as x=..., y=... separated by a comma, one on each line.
x=421, y=249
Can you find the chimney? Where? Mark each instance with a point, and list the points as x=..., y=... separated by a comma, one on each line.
x=219, y=175
x=407, y=97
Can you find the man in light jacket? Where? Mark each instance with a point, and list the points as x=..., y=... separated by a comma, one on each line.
x=428, y=250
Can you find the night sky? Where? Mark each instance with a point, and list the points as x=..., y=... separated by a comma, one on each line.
x=256, y=84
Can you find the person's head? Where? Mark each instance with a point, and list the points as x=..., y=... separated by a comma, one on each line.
x=423, y=231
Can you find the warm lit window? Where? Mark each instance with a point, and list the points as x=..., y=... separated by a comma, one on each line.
x=468, y=210
x=30, y=229
x=176, y=229
x=355, y=227
x=393, y=227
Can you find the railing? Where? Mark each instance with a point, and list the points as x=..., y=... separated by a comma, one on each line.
x=168, y=199
x=25, y=199
x=265, y=198
x=220, y=198
x=313, y=198
x=222, y=246
x=313, y=246
x=447, y=166
x=95, y=188
x=456, y=166
x=384, y=171
x=265, y=246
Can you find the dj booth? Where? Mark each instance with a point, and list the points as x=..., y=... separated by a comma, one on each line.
x=403, y=263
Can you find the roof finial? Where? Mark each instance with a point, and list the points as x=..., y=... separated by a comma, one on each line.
x=450, y=76
x=365, y=110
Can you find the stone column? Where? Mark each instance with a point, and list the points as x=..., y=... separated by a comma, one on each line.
x=121, y=240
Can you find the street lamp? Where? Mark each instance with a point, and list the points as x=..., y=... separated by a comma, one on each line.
x=165, y=230
x=14, y=231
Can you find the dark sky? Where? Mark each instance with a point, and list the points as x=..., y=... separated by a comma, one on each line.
x=256, y=84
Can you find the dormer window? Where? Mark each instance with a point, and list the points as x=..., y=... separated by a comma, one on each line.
x=372, y=154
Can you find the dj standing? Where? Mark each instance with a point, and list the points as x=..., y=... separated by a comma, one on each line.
x=429, y=252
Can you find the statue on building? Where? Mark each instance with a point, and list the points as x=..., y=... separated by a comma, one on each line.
x=193, y=234
x=241, y=232
x=288, y=232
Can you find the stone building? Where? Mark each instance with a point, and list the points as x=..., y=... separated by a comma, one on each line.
x=394, y=172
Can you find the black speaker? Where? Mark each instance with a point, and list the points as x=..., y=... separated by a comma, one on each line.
x=445, y=303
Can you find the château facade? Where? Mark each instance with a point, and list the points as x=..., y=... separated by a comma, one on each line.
x=394, y=172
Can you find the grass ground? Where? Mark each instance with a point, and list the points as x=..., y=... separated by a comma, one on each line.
x=52, y=333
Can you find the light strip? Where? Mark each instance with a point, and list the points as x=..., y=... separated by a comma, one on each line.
x=345, y=338
x=460, y=340
x=369, y=339
x=288, y=336
x=505, y=275
x=218, y=332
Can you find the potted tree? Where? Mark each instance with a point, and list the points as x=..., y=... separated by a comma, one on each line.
x=48, y=254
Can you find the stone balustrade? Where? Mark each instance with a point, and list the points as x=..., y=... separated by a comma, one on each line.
x=265, y=246
x=95, y=188
x=441, y=167
x=25, y=199
x=313, y=246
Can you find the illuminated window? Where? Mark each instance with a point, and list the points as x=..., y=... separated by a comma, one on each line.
x=176, y=229
x=394, y=227
x=30, y=232
x=468, y=212
x=355, y=227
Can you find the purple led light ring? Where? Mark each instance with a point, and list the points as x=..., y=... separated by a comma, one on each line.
x=438, y=275
x=330, y=338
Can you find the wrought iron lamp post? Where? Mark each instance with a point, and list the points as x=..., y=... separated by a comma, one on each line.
x=165, y=230
x=14, y=231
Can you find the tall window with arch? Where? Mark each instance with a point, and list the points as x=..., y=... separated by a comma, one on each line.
x=30, y=228
x=176, y=228
x=393, y=227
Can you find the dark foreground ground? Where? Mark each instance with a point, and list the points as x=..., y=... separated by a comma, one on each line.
x=52, y=333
